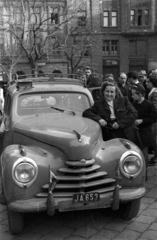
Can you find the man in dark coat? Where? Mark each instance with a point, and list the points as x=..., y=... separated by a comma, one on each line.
x=122, y=84
x=146, y=117
x=115, y=115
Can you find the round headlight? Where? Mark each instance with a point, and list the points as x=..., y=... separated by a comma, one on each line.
x=25, y=172
x=131, y=164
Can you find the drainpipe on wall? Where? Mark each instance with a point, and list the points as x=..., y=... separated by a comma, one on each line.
x=91, y=18
x=153, y=15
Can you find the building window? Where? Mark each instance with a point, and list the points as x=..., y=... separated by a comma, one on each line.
x=132, y=17
x=17, y=16
x=82, y=21
x=114, y=48
x=54, y=15
x=81, y=16
x=54, y=18
x=146, y=17
x=114, y=19
x=87, y=52
x=35, y=15
x=137, y=48
x=110, y=48
x=139, y=17
x=106, y=19
x=110, y=19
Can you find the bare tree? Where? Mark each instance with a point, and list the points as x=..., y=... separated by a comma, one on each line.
x=77, y=46
x=77, y=43
x=33, y=27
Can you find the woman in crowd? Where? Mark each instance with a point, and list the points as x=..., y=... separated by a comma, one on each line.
x=110, y=78
x=116, y=116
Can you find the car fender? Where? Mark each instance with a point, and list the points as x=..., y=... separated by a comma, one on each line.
x=108, y=154
x=45, y=161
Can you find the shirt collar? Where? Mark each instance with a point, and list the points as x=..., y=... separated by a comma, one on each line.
x=153, y=89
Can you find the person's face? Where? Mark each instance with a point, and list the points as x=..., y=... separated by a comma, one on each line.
x=149, y=84
x=132, y=82
x=122, y=79
x=87, y=72
x=109, y=93
x=135, y=96
x=154, y=100
x=141, y=79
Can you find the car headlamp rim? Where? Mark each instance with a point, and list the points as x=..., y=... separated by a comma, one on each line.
x=125, y=157
x=24, y=160
x=23, y=165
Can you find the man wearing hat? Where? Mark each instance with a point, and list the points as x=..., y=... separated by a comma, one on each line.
x=146, y=117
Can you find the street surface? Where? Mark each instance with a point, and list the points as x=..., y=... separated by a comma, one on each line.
x=102, y=224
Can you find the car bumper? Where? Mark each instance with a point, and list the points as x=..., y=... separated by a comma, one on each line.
x=105, y=201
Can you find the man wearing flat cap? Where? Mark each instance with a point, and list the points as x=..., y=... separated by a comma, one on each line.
x=146, y=117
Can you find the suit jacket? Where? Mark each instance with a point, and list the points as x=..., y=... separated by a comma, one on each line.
x=147, y=112
x=124, y=90
x=124, y=111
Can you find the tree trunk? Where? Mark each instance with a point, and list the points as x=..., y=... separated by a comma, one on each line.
x=33, y=66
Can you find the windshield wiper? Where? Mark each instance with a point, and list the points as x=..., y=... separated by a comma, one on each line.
x=63, y=110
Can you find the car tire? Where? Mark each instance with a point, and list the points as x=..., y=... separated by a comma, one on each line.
x=16, y=221
x=129, y=209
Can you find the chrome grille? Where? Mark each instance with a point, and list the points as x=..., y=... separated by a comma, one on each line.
x=80, y=177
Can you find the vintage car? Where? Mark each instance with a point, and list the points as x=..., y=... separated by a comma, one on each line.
x=53, y=159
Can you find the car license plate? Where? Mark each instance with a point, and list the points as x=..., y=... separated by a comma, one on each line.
x=86, y=197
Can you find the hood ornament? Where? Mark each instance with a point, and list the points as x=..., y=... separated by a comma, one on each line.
x=83, y=161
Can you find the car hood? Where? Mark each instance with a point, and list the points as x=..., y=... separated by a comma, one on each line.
x=74, y=135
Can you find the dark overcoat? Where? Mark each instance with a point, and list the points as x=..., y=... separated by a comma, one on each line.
x=124, y=89
x=147, y=112
x=125, y=115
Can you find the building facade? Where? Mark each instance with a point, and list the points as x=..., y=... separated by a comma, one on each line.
x=128, y=32
x=122, y=35
x=31, y=22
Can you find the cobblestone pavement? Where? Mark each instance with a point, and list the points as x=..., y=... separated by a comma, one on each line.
x=102, y=224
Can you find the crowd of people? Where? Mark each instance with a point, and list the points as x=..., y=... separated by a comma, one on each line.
x=127, y=108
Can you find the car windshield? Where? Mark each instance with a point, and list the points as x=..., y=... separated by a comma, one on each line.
x=51, y=103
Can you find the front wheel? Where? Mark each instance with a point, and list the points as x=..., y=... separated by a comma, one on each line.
x=129, y=209
x=16, y=221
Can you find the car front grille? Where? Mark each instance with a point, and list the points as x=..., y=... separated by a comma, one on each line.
x=80, y=177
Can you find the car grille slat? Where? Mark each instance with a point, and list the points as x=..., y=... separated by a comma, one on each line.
x=70, y=194
x=82, y=185
x=81, y=163
x=81, y=178
x=79, y=170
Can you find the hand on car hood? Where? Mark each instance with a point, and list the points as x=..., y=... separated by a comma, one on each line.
x=74, y=135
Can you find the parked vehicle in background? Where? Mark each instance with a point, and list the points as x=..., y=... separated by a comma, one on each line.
x=53, y=159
